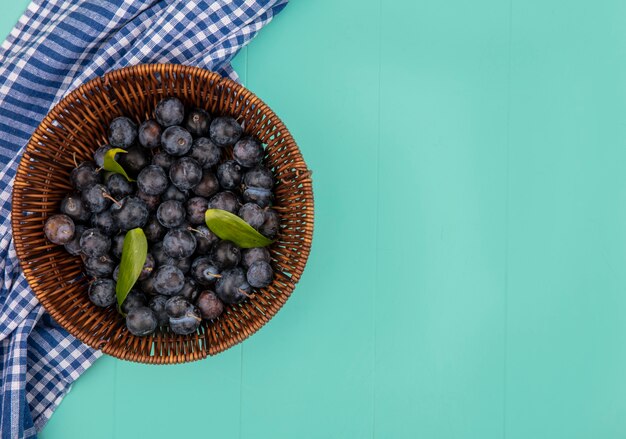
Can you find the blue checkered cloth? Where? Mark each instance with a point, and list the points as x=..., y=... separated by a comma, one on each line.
x=56, y=46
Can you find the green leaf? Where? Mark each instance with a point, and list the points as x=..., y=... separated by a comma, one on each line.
x=134, y=254
x=111, y=165
x=232, y=228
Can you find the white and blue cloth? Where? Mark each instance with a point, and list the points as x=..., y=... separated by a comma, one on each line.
x=56, y=46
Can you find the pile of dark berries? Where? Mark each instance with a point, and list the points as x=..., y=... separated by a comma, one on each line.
x=178, y=162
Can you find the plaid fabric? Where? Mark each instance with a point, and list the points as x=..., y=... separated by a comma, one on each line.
x=56, y=46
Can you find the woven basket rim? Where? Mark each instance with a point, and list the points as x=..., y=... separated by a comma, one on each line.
x=104, y=83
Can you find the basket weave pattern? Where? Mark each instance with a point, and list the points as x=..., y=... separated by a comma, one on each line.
x=77, y=126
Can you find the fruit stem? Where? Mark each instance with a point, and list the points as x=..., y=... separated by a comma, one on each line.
x=249, y=296
x=105, y=195
x=74, y=157
x=217, y=276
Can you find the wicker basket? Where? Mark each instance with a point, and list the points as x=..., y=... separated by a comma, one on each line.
x=77, y=125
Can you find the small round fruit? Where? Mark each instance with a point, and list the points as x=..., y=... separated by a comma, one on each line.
x=225, y=254
x=102, y=292
x=176, y=141
x=207, y=153
x=179, y=243
x=173, y=193
x=229, y=174
x=84, y=175
x=98, y=155
x=96, y=198
x=197, y=122
x=248, y=152
x=170, y=111
x=196, y=208
x=133, y=213
x=94, y=243
x=226, y=201
x=186, y=324
x=225, y=131
x=134, y=299
x=168, y=280
x=59, y=229
x=185, y=173
x=152, y=180
x=134, y=160
x=153, y=229
x=101, y=266
x=73, y=206
x=260, y=274
x=190, y=290
x=259, y=177
x=210, y=306
x=171, y=214
x=251, y=255
x=232, y=287
x=148, y=267
x=204, y=239
x=252, y=214
x=163, y=159
x=141, y=321
x=117, y=245
x=177, y=306
x=105, y=222
x=147, y=286
x=118, y=186
x=116, y=273
x=151, y=201
x=208, y=186
x=204, y=271
x=261, y=197
x=157, y=305
x=271, y=225
x=150, y=134
x=122, y=132
x=163, y=258
x=73, y=247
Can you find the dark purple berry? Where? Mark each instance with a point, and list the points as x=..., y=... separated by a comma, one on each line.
x=185, y=173
x=210, y=306
x=122, y=132
x=197, y=122
x=225, y=201
x=176, y=141
x=225, y=131
x=171, y=214
x=208, y=186
x=94, y=243
x=205, y=152
x=260, y=274
x=141, y=321
x=163, y=160
x=271, y=225
x=248, y=152
x=96, y=198
x=225, y=254
x=179, y=243
x=84, y=176
x=229, y=174
x=252, y=214
x=196, y=208
x=168, y=280
x=152, y=180
x=170, y=111
x=73, y=206
x=102, y=292
x=232, y=287
x=150, y=134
